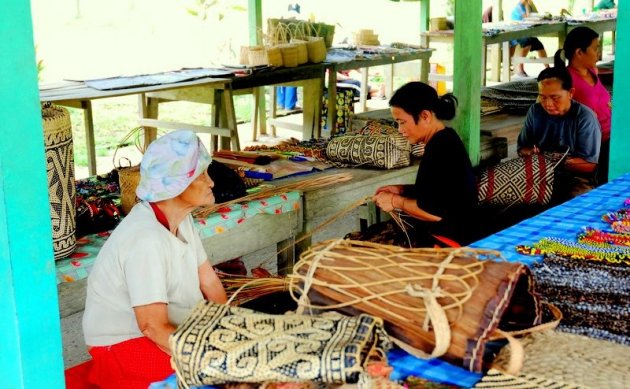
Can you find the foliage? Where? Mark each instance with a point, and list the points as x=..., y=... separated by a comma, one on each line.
x=40, y=66
x=217, y=8
x=450, y=7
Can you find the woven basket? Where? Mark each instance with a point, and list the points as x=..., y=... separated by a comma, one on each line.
x=274, y=56
x=128, y=176
x=289, y=55
x=438, y=24
x=243, y=58
x=326, y=31
x=302, y=51
x=572, y=359
x=316, y=49
x=128, y=179
x=442, y=302
x=60, y=171
x=256, y=56
x=366, y=38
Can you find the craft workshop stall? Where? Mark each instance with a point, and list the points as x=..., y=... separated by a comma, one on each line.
x=540, y=304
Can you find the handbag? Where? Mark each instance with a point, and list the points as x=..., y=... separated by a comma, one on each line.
x=219, y=343
x=228, y=185
x=378, y=150
x=525, y=180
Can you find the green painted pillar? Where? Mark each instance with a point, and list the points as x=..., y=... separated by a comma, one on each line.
x=30, y=344
x=254, y=12
x=620, y=133
x=425, y=14
x=467, y=74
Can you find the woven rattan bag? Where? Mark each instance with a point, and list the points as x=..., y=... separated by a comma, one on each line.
x=60, y=171
x=435, y=302
x=128, y=175
x=381, y=151
x=219, y=343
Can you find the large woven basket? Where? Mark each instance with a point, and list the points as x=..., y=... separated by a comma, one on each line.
x=60, y=171
x=444, y=302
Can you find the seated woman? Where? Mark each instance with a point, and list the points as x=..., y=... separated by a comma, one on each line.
x=581, y=49
x=153, y=268
x=557, y=123
x=522, y=10
x=443, y=200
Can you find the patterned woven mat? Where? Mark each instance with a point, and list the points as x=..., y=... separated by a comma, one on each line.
x=592, y=296
x=571, y=360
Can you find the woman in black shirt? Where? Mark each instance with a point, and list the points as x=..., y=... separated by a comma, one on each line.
x=443, y=200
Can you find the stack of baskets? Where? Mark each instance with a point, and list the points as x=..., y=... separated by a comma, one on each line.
x=290, y=43
x=366, y=38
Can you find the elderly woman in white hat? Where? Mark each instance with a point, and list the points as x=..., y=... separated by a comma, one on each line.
x=152, y=270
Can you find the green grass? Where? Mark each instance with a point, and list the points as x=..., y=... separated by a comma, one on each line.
x=114, y=118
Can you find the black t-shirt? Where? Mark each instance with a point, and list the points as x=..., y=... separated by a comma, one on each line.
x=446, y=187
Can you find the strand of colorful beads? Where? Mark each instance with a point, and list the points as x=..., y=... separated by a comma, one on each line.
x=579, y=251
x=593, y=236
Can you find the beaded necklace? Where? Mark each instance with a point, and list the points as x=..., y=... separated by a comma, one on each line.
x=591, y=252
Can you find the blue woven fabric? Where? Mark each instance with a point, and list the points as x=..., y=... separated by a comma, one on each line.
x=563, y=221
x=435, y=370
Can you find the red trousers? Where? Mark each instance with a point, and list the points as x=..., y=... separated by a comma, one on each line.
x=132, y=364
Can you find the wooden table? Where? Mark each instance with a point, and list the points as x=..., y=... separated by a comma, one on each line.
x=79, y=95
x=309, y=76
x=385, y=58
x=525, y=30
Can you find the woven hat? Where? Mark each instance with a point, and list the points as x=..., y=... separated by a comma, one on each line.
x=170, y=164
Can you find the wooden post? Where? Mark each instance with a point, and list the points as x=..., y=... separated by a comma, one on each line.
x=620, y=138
x=425, y=12
x=467, y=74
x=254, y=10
x=30, y=345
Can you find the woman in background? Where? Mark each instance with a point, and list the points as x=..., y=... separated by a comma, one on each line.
x=522, y=10
x=581, y=48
